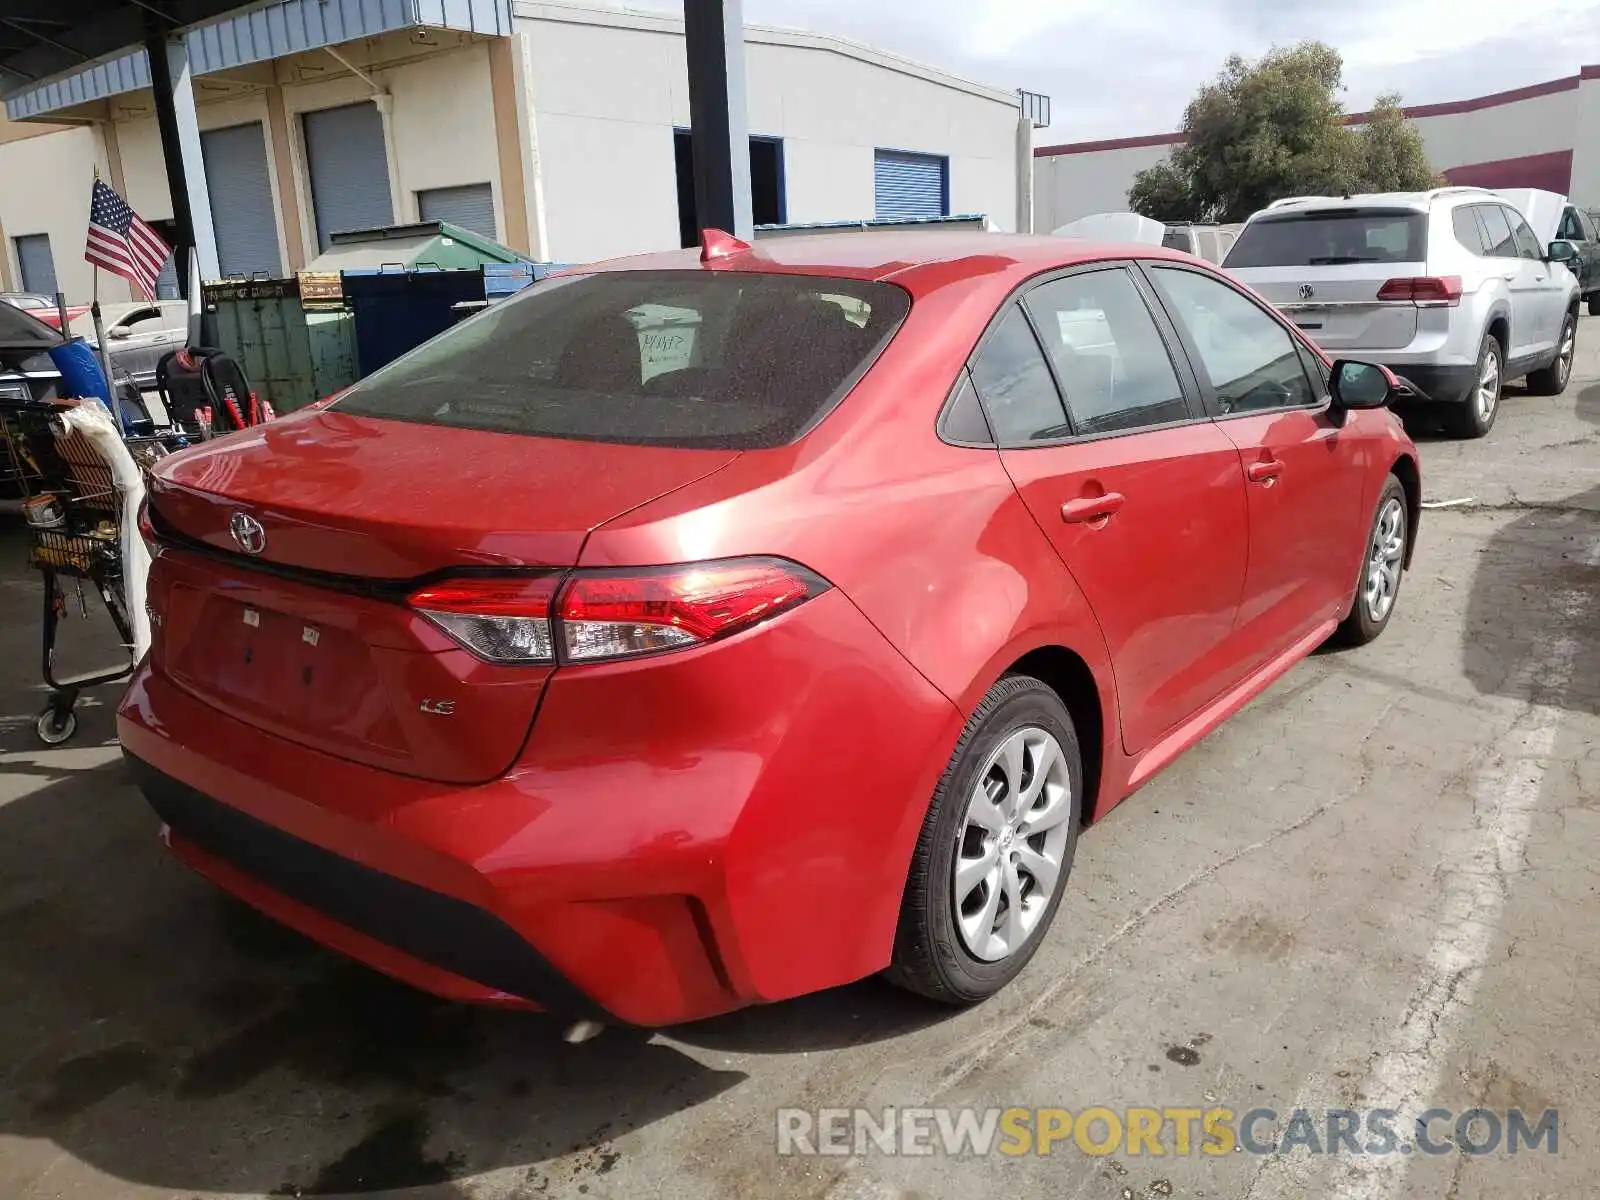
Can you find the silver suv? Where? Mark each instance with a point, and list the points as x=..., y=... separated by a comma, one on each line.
x=1448, y=288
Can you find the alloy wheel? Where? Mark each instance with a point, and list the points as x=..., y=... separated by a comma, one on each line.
x=1383, y=560
x=1014, y=834
x=1489, y=386
x=1569, y=347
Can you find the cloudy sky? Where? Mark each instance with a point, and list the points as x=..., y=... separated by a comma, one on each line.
x=1116, y=68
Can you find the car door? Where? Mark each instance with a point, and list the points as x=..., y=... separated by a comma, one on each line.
x=1524, y=284
x=1550, y=279
x=1303, y=474
x=1141, y=496
x=144, y=344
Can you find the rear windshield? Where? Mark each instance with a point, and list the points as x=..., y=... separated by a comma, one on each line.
x=670, y=358
x=1331, y=238
x=22, y=331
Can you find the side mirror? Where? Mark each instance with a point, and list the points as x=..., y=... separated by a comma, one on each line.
x=118, y=333
x=1561, y=251
x=1361, y=385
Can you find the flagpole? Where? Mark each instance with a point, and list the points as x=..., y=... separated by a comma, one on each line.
x=105, y=355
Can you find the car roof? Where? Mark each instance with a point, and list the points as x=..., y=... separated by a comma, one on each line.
x=919, y=261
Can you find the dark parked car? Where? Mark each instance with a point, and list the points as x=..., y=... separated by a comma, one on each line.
x=1578, y=227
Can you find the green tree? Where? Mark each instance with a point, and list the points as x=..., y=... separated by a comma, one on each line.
x=1394, y=158
x=1275, y=127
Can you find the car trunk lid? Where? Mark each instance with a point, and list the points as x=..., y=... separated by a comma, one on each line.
x=290, y=549
x=1338, y=306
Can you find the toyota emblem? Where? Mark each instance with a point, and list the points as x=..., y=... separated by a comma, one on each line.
x=248, y=533
x=1307, y=291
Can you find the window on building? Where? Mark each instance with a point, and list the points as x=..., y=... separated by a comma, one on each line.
x=910, y=185
x=1253, y=362
x=470, y=206
x=1108, y=353
x=768, y=205
x=35, y=264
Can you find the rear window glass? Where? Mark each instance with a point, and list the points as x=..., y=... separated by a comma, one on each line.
x=23, y=330
x=1329, y=238
x=671, y=358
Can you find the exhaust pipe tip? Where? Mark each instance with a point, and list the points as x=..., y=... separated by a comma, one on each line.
x=582, y=1031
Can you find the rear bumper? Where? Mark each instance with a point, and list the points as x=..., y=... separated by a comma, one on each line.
x=1441, y=384
x=680, y=836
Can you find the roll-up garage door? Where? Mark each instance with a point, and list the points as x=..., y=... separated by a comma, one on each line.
x=349, y=170
x=910, y=185
x=37, y=267
x=471, y=207
x=241, y=200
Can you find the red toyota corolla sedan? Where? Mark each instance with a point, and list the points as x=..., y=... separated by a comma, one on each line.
x=699, y=630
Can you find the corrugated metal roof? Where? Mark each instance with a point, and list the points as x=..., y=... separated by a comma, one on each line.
x=260, y=34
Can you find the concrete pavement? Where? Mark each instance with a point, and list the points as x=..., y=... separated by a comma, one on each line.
x=1375, y=887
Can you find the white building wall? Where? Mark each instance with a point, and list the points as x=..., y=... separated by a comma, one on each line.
x=1586, y=141
x=61, y=167
x=1517, y=130
x=611, y=87
x=1069, y=186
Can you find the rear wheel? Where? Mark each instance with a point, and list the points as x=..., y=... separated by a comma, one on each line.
x=1474, y=417
x=1552, y=380
x=1382, y=568
x=995, y=850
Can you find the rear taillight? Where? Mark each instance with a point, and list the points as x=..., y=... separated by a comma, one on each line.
x=1427, y=290
x=601, y=615
x=147, y=531
x=503, y=620
x=616, y=614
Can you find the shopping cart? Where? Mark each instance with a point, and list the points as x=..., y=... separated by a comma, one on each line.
x=74, y=511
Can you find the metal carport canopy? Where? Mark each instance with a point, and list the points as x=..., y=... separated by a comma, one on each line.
x=41, y=38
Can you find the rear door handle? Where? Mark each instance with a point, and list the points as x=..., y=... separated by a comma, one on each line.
x=1264, y=472
x=1087, y=509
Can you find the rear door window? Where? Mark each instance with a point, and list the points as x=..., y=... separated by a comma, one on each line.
x=1332, y=237
x=1467, y=230
x=1014, y=383
x=1498, y=230
x=693, y=358
x=1108, y=354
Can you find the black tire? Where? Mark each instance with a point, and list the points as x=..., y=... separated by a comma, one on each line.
x=1362, y=625
x=930, y=956
x=1467, y=419
x=1594, y=304
x=1552, y=380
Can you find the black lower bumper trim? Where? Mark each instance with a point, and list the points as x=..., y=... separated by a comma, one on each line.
x=1444, y=385
x=437, y=929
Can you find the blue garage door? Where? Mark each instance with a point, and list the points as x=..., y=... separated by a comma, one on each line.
x=38, y=268
x=910, y=185
x=349, y=170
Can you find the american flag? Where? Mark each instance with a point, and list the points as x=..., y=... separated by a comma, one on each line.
x=121, y=242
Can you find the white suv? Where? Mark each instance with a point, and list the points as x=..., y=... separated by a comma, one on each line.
x=1448, y=288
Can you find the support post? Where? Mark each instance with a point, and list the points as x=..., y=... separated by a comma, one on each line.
x=1025, y=166
x=180, y=149
x=718, y=123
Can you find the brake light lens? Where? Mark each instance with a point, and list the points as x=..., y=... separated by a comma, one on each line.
x=621, y=614
x=612, y=614
x=501, y=620
x=147, y=531
x=1430, y=290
